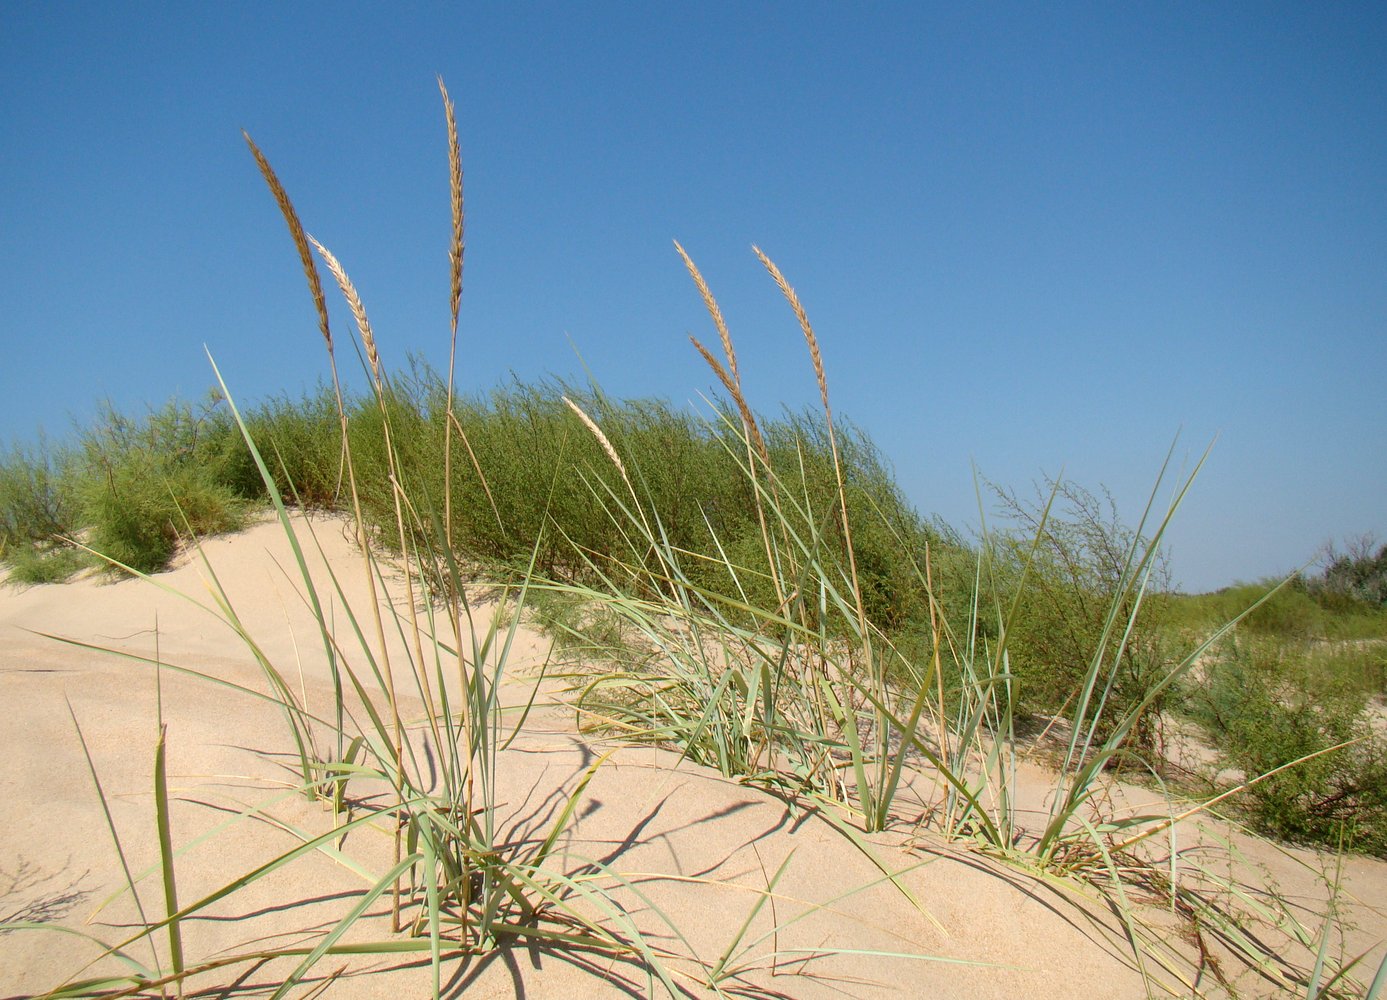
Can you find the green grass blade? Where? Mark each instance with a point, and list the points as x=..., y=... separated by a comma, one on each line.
x=162, y=821
x=283, y=515
x=345, y=924
x=716, y=975
x=1379, y=983
x=111, y=826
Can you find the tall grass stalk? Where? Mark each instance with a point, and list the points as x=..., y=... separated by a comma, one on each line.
x=455, y=259
x=816, y=357
x=315, y=286
x=164, y=823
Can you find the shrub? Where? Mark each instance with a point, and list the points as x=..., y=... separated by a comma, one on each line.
x=1357, y=575
x=35, y=503
x=145, y=481
x=1068, y=559
x=40, y=563
x=37, y=510
x=301, y=442
x=1267, y=704
x=528, y=477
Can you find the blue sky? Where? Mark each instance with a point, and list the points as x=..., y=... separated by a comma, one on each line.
x=1032, y=239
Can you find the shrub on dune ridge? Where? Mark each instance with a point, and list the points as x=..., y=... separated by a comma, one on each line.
x=38, y=507
x=302, y=443
x=132, y=485
x=145, y=482
x=35, y=499
x=526, y=479
x=131, y=474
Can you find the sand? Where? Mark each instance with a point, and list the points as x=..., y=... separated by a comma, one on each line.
x=693, y=851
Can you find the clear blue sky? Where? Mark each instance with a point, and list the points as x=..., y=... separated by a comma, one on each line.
x=1031, y=238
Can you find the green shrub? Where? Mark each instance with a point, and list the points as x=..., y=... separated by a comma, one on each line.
x=1344, y=601
x=526, y=477
x=1290, y=612
x=139, y=511
x=37, y=510
x=1069, y=566
x=1268, y=703
x=145, y=481
x=1358, y=575
x=301, y=441
x=33, y=564
x=35, y=499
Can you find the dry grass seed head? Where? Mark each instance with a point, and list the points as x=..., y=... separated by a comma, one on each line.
x=591, y=425
x=817, y=358
x=803, y=318
x=455, y=254
x=349, y=292
x=748, y=419
x=711, y=304
x=291, y=217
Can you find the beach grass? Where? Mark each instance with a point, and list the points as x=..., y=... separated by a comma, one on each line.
x=756, y=595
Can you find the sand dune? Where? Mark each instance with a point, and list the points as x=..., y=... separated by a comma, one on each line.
x=693, y=850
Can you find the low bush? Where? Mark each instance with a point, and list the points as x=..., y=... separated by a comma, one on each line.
x=1342, y=601
x=1268, y=704
x=38, y=510
x=36, y=502
x=44, y=563
x=302, y=444
x=143, y=482
x=1290, y=612
x=1356, y=575
x=1066, y=568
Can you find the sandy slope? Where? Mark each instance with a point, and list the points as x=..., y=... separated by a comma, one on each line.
x=691, y=846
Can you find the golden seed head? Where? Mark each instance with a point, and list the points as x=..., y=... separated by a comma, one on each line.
x=714, y=311
x=591, y=425
x=748, y=418
x=349, y=292
x=803, y=318
x=455, y=253
x=291, y=217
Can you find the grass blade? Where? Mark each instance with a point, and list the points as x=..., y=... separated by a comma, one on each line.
x=161, y=814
